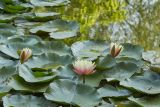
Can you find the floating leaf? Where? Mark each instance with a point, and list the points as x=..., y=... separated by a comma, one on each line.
x=49, y=61
x=89, y=49
x=6, y=74
x=147, y=101
x=49, y=3
x=106, y=62
x=7, y=63
x=123, y=103
x=66, y=91
x=5, y=18
x=58, y=29
x=18, y=83
x=41, y=16
x=131, y=51
x=26, y=101
x=149, y=55
x=53, y=47
x=139, y=62
x=121, y=71
x=34, y=77
x=148, y=83
x=37, y=47
x=110, y=91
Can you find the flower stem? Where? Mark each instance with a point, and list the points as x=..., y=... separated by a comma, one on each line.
x=83, y=76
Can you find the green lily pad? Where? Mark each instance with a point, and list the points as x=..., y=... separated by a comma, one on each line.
x=7, y=63
x=6, y=74
x=121, y=71
x=49, y=61
x=53, y=47
x=139, y=62
x=6, y=31
x=41, y=16
x=27, y=39
x=89, y=49
x=26, y=101
x=110, y=91
x=148, y=82
x=123, y=103
x=34, y=77
x=149, y=56
x=147, y=101
x=67, y=91
x=19, y=84
x=14, y=8
x=58, y=29
x=37, y=47
x=49, y=2
x=106, y=62
x=5, y=18
x=131, y=51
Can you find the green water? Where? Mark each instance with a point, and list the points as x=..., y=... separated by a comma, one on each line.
x=133, y=21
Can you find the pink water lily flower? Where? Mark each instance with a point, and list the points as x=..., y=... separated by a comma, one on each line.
x=25, y=55
x=115, y=49
x=84, y=67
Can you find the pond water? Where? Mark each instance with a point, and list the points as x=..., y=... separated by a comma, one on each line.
x=133, y=21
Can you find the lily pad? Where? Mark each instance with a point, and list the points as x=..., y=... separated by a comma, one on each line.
x=148, y=82
x=121, y=71
x=58, y=29
x=106, y=62
x=131, y=51
x=6, y=74
x=139, y=62
x=49, y=2
x=149, y=56
x=147, y=101
x=89, y=49
x=53, y=47
x=49, y=61
x=123, y=103
x=41, y=16
x=7, y=63
x=34, y=77
x=67, y=91
x=19, y=84
x=35, y=45
x=26, y=101
x=5, y=18
x=110, y=91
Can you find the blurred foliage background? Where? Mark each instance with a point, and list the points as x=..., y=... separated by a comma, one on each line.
x=133, y=21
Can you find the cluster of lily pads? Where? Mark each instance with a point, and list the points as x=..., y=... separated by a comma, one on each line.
x=53, y=74
x=49, y=73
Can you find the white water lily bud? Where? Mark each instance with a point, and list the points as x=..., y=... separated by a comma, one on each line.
x=25, y=55
x=84, y=67
x=115, y=49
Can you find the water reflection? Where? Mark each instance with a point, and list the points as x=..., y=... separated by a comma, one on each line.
x=135, y=21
